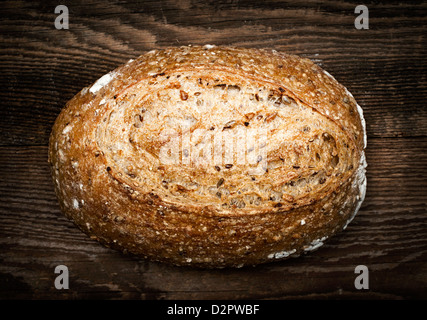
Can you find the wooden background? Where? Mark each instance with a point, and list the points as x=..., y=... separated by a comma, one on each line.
x=384, y=67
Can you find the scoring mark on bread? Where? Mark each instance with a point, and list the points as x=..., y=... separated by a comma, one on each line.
x=202, y=102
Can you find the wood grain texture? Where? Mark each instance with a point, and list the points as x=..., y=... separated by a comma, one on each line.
x=384, y=67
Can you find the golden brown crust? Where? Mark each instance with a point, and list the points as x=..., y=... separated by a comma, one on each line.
x=113, y=178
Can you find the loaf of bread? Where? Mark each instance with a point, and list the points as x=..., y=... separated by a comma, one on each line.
x=211, y=156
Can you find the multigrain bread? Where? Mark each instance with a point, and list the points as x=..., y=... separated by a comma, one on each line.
x=211, y=156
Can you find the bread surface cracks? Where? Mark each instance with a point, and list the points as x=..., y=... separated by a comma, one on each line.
x=224, y=140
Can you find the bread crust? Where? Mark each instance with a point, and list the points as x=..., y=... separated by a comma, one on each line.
x=110, y=179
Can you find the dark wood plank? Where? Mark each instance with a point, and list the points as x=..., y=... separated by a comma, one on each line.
x=41, y=67
x=389, y=235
